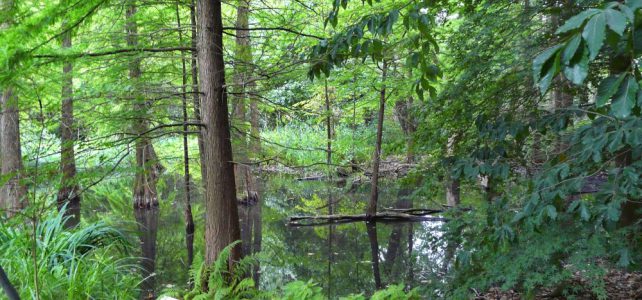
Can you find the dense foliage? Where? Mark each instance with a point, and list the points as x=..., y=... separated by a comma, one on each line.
x=527, y=114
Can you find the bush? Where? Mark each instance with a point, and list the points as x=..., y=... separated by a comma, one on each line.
x=52, y=262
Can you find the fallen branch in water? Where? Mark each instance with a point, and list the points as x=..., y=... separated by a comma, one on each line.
x=386, y=216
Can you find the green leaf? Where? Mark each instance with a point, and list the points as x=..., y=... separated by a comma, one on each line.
x=607, y=88
x=625, y=98
x=616, y=20
x=551, y=211
x=594, y=34
x=571, y=48
x=539, y=63
x=577, y=20
x=553, y=68
x=633, y=4
x=625, y=258
x=584, y=212
x=578, y=71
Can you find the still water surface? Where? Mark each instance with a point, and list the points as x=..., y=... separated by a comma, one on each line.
x=343, y=259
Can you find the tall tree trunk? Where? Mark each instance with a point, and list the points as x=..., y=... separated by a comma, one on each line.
x=328, y=124
x=452, y=184
x=196, y=99
x=189, y=219
x=374, y=190
x=221, y=221
x=147, y=165
x=147, y=220
x=404, y=115
x=12, y=196
x=242, y=73
x=68, y=192
x=561, y=94
x=12, y=193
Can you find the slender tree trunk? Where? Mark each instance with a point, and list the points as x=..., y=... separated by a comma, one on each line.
x=147, y=165
x=452, y=184
x=242, y=72
x=328, y=124
x=68, y=192
x=221, y=221
x=189, y=219
x=195, y=91
x=374, y=191
x=12, y=193
x=561, y=94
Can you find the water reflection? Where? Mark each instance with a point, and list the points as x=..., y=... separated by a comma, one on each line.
x=147, y=220
x=251, y=231
x=344, y=259
x=359, y=257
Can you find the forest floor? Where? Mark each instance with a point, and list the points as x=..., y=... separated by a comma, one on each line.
x=618, y=285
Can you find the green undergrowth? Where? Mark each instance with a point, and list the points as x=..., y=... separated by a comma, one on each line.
x=304, y=145
x=215, y=282
x=47, y=261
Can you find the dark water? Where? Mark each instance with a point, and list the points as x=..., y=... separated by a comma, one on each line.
x=343, y=259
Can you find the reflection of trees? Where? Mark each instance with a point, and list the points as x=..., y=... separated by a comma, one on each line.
x=251, y=232
x=147, y=220
x=371, y=227
x=395, y=240
x=341, y=256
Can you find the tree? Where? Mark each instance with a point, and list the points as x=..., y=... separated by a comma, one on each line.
x=68, y=192
x=147, y=164
x=376, y=156
x=12, y=194
x=221, y=222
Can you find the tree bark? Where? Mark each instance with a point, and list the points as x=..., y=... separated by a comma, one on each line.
x=452, y=184
x=403, y=113
x=68, y=193
x=242, y=74
x=12, y=193
x=147, y=165
x=221, y=221
x=196, y=97
x=147, y=220
x=189, y=219
x=374, y=190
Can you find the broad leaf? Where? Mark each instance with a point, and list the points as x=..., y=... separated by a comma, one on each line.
x=616, y=20
x=625, y=98
x=571, y=48
x=577, y=20
x=608, y=87
x=540, y=61
x=594, y=34
x=578, y=71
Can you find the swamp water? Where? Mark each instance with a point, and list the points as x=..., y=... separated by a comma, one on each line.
x=349, y=258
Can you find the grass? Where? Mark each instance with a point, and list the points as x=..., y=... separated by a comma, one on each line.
x=51, y=262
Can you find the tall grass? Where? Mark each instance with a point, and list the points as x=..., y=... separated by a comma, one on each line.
x=51, y=262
